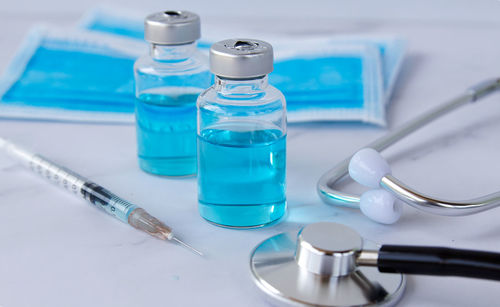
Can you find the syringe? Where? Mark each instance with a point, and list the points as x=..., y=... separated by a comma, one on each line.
x=93, y=193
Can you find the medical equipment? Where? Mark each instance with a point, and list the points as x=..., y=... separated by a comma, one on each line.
x=95, y=194
x=329, y=264
x=241, y=138
x=168, y=81
x=368, y=168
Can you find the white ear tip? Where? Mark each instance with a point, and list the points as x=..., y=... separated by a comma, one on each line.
x=380, y=206
x=367, y=167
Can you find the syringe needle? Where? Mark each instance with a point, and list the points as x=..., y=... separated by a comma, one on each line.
x=187, y=246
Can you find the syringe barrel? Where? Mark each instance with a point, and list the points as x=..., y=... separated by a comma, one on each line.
x=90, y=191
x=72, y=182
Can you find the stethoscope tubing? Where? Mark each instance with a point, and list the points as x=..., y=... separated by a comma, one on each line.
x=330, y=195
x=439, y=261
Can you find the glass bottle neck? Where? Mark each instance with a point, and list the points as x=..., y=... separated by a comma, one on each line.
x=172, y=52
x=240, y=86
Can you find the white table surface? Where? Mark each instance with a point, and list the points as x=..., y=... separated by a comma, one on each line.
x=56, y=251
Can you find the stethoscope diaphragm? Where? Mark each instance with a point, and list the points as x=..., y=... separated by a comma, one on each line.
x=300, y=269
x=329, y=264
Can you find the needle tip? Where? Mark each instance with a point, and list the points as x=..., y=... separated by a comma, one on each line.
x=187, y=246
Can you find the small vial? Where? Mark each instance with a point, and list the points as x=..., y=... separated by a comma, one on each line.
x=168, y=81
x=241, y=138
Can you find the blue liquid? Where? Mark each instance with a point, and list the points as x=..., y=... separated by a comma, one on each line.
x=241, y=177
x=166, y=133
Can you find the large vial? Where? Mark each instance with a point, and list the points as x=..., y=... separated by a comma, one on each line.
x=168, y=81
x=241, y=138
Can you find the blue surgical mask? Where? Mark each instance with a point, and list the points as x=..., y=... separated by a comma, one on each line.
x=342, y=82
x=391, y=50
x=71, y=75
x=77, y=75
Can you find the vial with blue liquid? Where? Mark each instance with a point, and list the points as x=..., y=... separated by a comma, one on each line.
x=168, y=81
x=241, y=138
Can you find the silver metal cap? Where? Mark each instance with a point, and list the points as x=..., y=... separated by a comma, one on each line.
x=172, y=28
x=320, y=252
x=241, y=58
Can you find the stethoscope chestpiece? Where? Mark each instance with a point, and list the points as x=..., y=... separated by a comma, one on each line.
x=317, y=267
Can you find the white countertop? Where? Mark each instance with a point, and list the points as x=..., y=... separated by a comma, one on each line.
x=56, y=251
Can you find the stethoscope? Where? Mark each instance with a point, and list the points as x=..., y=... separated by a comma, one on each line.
x=370, y=169
x=329, y=264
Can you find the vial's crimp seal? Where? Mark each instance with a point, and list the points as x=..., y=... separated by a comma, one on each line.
x=241, y=58
x=172, y=28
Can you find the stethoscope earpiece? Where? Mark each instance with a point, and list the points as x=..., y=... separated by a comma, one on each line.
x=367, y=167
x=380, y=206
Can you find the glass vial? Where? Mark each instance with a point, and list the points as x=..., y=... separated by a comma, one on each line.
x=168, y=81
x=241, y=138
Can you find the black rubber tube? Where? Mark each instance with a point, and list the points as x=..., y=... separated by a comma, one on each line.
x=439, y=261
